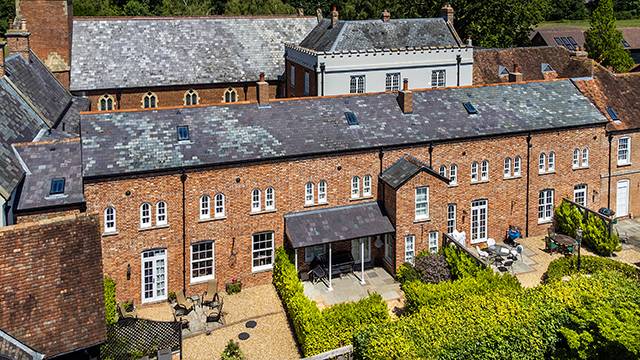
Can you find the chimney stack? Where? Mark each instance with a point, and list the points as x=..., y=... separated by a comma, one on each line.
x=447, y=13
x=18, y=39
x=386, y=15
x=319, y=15
x=334, y=16
x=405, y=98
x=300, y=11
x=516, y=75
x=2, y=44
x=263, y=91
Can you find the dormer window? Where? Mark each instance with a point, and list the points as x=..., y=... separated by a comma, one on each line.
x=183, y=133
x=149, y=100
x=57, y=186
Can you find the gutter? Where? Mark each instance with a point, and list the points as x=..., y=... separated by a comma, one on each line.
x=183, y=179
x=610, y=138
x=526, y=213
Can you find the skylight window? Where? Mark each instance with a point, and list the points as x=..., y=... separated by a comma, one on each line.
x=470, y=108
x=57, y=186
x=612, y=113
x=183, y=133
x=352, y=119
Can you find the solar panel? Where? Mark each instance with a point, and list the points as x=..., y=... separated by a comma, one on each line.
x=613, y=114
x=183, y=133
x=572, y=41
x=558, y=41
x=470, y=108
x=57, y=186
x=352, y=119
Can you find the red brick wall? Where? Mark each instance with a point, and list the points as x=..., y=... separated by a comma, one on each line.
x=297, y=90
x=630, y=172
x=45, y=215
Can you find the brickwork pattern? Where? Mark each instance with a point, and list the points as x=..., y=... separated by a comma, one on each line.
x=297, y=89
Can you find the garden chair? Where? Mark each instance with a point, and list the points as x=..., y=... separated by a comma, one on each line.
x=551, y=246
x=491, y=242
x=124, y=313
x=183, y=302
x=214, y=314
x=210, y=295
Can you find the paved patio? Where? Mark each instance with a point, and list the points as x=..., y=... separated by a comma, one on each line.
x=348, y=288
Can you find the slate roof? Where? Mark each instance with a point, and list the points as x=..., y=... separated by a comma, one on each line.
x=630, y=34
x=141, y=141
x=404, y=169
x=178, y=51
x=45, y=161
x=316, y=227
x=377, y=34
x=488, y=62
x=18, y=123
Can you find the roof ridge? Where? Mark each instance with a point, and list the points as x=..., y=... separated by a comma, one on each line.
x=202, y=17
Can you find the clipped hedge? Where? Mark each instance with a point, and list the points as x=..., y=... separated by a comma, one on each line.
x=596, y=236
x=110, y=306
x=568, y=266
x=319, y=331
x=460, y=264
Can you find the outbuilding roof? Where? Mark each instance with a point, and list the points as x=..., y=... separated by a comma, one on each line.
x=115, y=53
x=142, y=141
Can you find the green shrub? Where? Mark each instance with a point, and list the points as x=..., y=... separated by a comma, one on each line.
x=598, y=238
x=407, y=273
x=232, y=352
x=233, y=287
x=110, y=305
x=461, y=265
x=568, y=218
x=588, y=265
x=319, y=331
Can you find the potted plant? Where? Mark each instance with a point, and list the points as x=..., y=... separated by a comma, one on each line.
x=171, y=298
x=234, y=286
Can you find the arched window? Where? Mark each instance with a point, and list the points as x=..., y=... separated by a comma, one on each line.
x=355, y=187
x=218, y=209
x=270, y=199
x=205, y=207
x=576, y=158
x=585, y=157
x=453, y=174
x=542, y=163
x=308, y=194
x=255, y=200
x=191, y=98
x=551, y=164
x=366, y=185
x=443, y=171
x=106, y=103
x=149, y=100
x=161, y=213
x=322, y=192
x=230, y=95
x=517, y=165
x=507, y=167
x=474, y=171
x=145, y=215
x=110, y=220
x=484, y=172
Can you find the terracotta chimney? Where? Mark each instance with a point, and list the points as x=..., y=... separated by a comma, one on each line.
x=2, y=44
x=516, y=75
x=18, y=39
x=300, y=11
x=405, y=98
x=263, y=91
x=319, y=15
x=386, y=15
x=447, y=13
x=334, y=16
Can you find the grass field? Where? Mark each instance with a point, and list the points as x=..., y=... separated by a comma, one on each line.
x=585, y=23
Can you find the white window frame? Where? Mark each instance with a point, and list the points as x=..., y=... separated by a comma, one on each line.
x=576, y=158
x=322, y=192
x=409, y=249
x=357, y=84
x=162, y=216
x=551, y=162
x=451, y=218
x=199, y=279
x=585, y=158
x=507, y=167
x=392, y=82
x=308, y=193
x=542, y=163
x=624, y=151
x=306, y=83
x=270, y=198
x=545, y=205
x=421, y=203
x=366, y=185
x=189, y=97
x=517, y=166
x=479, y=226
x=145, y=215
x=205, y=207
x=474, y=171
x=255, y=200
x=433, y=242
x=438, y=78
x=484, y=170
x=580, y=190
x=271, y=248
x=109, y=103
x=443, y=171
x=110, y=224
x=155, y=256
x=230, y=95
x=453, y=174
x=355, y=187
x=388, y=248
x=219, y=206
x=151, y=99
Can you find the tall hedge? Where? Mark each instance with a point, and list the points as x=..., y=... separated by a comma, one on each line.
x=110, y=310
x=319, y=331
x=596, y=234
x=568, y=266
x=568, y=219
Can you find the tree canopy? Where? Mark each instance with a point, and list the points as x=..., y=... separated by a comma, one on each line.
x=604, y=40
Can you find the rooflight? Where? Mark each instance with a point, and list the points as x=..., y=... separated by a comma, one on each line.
x=352, y=119
x=57, y=186
x=183, y=133
x=612, y=113
x=470, y=108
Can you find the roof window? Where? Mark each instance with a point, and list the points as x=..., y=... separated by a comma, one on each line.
x=546, y=67
x=57, y=186
x=613, y=114
x=183, y=133
x=470, y=108
x=352, y=119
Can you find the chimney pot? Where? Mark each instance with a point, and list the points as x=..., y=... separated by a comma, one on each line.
x=263, y=91
x=405, y=84
x=469, y=42
x=319, y=14
x=18, y=39
x=386, y=15
x=447, y=13
x=334, y=16
x=300, y=11
x=405, y=98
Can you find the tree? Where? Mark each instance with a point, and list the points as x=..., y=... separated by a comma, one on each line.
x=95, y=8
x=191, y=7
x=604, y=41
x=136, y=8
x=7, y=13
x=258, y=7
x=567, y=9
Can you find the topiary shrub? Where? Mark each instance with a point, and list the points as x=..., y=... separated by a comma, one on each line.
x=432, y=268
x=110, y=305
x=598, y=238
x=568, y=266
x=232, y=352
x=568, y=218
x=460, y=264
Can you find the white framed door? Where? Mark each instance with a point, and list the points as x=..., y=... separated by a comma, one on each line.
x=478, y=221
x=355, y=249
x=622, y=198
x=154, y=275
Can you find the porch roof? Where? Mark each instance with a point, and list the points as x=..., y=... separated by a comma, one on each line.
x=317, y=227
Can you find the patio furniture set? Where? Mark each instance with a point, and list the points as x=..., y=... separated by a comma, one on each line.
x=501, y=256
x=559, y=243
x=210, y=302
x=341, y=263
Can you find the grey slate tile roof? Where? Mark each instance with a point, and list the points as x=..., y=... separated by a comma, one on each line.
x=376, y=34
x=132, y=142
x=18, y=123
x=45, y=161
x=317, y=227
x=125, y=53
x=404, y=169
x=70, y=122
x=39, y=86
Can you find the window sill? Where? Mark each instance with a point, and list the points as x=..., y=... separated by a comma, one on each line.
x=547, y=173
x=453, y=185
x=418, y=221
x=154, y=228
x=262, y=212
x=624, y=164
x=580, y=168
x=512, y=177
x=212, y=219
x=545, y=221
x=202, y=280
x=261, y=270
x=315, y=205
x=368, y=197
x=110, y=233
x=479, y=182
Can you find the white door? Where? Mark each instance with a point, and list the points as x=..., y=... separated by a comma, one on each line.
x=154, y=275
x=478, y=221
x=622, y=198
x=355, y=249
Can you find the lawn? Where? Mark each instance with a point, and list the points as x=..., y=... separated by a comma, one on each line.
x=585, y=23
